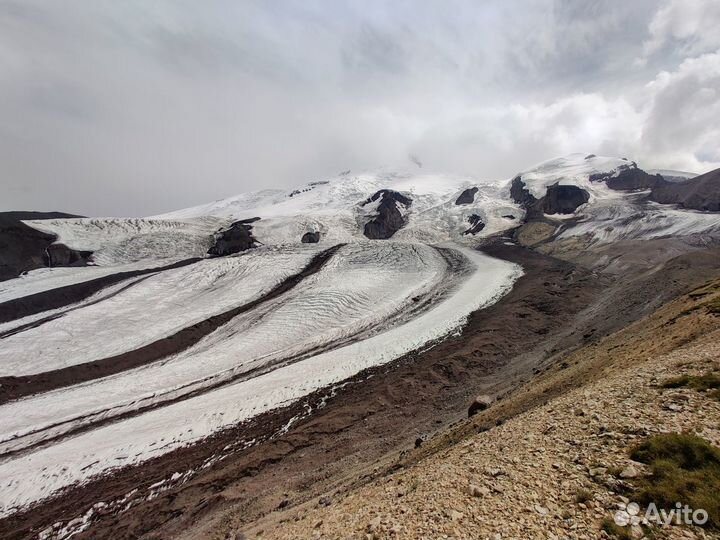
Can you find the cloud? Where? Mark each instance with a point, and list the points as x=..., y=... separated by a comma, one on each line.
x=681, y=128
x=689, y=26
x=135, y=108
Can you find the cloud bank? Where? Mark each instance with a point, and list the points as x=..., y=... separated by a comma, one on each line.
x=135, y=108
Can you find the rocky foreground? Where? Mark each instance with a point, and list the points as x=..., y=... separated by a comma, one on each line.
x=558, y=470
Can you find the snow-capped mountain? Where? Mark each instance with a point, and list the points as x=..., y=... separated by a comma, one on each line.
x=144, y=336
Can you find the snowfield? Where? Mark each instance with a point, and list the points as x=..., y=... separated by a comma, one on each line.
x=38, y=473
x=125, y=321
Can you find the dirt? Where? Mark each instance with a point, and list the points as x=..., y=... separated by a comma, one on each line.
x=555, y=471
x=557, y=307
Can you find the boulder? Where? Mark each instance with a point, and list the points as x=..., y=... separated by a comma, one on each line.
x=310, y=237
x=467, y=196
x=236, y=238
x=480, y=403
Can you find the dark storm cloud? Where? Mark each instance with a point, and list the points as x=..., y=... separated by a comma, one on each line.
x=134, y=108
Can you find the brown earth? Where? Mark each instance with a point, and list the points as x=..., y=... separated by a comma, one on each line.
x=559, y=467
x=555, y=308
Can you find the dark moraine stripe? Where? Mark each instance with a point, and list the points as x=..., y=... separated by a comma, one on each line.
x=17, y=387
x=17, y=308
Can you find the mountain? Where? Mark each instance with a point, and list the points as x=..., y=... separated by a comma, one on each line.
x=23, y=248
x=161, y=360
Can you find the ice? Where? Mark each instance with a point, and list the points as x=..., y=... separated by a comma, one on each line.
x=36, y=474
x=153, y=308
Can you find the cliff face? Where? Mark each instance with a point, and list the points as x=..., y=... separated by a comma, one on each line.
x=389, y=219
x=236, y=238
x=467, y=196
x=23, y=248
x=699, y=193
x=558, y=199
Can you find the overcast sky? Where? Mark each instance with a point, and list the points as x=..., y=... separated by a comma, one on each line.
x=112, y=107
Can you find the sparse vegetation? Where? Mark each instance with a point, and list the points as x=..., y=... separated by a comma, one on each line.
x=684, y=468
x=709, y=381
x=582, y=496
x=614, y=530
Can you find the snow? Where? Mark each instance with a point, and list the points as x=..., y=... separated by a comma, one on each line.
x=573, y=169
x=126, y=320
x=45, y=279
x=36, y=474
x=365, y=289
x=365, y=307
x=670, y=174
x=115, y=241
x=612, y=215
x=333, y=207
x=628, y=218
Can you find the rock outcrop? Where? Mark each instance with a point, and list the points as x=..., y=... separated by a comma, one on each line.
x=23, y=248
x=628, y=178
x=467, y=196
x=388, y=219
x=564, y=199
x=558, y=199
x=310, y=237
x=236, y=238
x=699, y=193
x=480, y=403
x=61, y=255
x=521, y=194
x=476, y=224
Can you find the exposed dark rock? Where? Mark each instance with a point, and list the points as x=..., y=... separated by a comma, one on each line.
x=23, y=248
x=557, y=199
x=388, y=220
x=564, y=199
x=61, y=255
x=310, y=237
x=236, y=238
x=590, y=156
x=699, y=193
x=467, y=196
x=521, y=194
x=476, y=224
x=508, y=216
x=628, y=178
x=479, y=404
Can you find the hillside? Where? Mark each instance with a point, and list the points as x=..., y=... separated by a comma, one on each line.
x=162, y=387
x=550, y=461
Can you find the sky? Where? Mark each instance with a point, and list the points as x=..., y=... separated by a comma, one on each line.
x=134, y=108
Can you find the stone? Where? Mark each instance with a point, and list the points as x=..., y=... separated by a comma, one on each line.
x=310, y=237
x=480, y=403
x=478, y=491
x=631, y=471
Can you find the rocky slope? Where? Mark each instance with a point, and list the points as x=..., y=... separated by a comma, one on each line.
x=560, y=469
